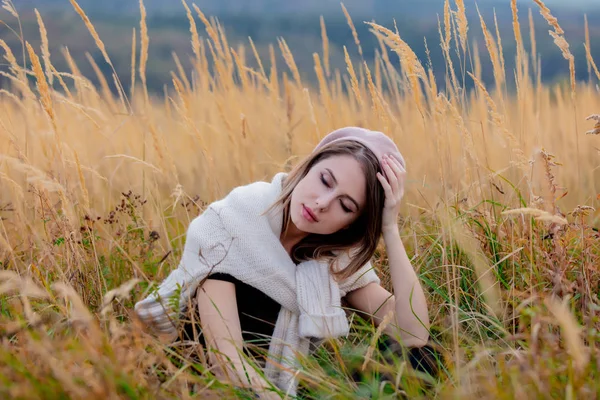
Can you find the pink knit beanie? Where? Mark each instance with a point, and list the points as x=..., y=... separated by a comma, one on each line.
x=376, y=141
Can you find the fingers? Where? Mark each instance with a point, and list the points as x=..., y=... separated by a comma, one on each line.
x=386, y=185
x=391, y=171
x=395, y=173
x=395, y=164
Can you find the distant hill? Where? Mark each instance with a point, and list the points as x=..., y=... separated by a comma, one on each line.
x=266, y=8
x=298, y=23
x=269, y=8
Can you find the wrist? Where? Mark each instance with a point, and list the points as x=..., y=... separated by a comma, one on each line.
x=391, y=228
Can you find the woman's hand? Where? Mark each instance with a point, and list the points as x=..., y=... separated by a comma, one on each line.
x=393, y=185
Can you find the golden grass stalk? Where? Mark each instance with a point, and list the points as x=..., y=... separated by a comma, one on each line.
x=325, y=41
x=92, y=30
x=517, y=27
x=180, y=90
x=532, y=40
x=596, y=129
x=137, y=161
x=433, y=86
x=476, y=61
x=193, y=31
x=351, y=25
x=34, y=174
x=289, y=60
x=157, y=144
x=181, y=72
x=76, y=308
x=461, y=19
x=497, y=119
x=378, y=79
x=120, y=92
x=42, y=85
x=500, y=49
x=446, y=50
x=119, y=293
x=84, y=191
x=353, y=79
x=582, y=211
x=323, y=88
x=313, y=117
x=101, y=78
x=519, y=41
x=220, y=68
x=257, y=57
x=62, y=82
x=72, y=64
x=377, y=106
x=552, y=21
x=448, y=32
x=407, y=55
x=212, y=33
x=571, y=331
x=10, y=57
x=590, y=59
x=22, y=285
x=133, y=60
x=559, y=40
x=7, y=5
x=490, y=44
x=562, y=44
x=384, y=323
x=537, y=214
x=471, y=246
x=241, y=70
x=20, y=76
x=226, y=50
x=586, y=29
x=274, y=77
x=45, y=48
x=410, y=62
x=468, y=144
x=145, y=41
x=84, y=110
x=14, y=97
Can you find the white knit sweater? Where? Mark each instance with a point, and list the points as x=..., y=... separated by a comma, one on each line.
x=233, y=236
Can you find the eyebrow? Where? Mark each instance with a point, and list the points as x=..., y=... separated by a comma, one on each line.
x=336, y=182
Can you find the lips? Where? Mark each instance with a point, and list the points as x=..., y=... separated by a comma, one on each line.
x=308, y=214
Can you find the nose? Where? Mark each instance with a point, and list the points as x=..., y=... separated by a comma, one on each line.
x=324, y=201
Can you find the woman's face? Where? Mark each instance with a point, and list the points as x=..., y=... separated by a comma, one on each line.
x=330, y=197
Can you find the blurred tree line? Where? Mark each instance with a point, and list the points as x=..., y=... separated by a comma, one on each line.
x=169, y=34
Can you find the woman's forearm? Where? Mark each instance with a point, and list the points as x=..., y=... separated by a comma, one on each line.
x=412, y=315
x=217, y=307
x=231, y=365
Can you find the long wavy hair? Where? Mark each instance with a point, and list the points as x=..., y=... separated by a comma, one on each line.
x=359, y=240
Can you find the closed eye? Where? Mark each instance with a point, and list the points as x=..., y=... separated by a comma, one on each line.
x=324, y=181
x=346, y=209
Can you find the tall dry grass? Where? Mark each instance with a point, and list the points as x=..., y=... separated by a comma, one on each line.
x=499, y=217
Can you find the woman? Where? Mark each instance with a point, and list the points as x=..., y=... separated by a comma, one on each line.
x=274, y=260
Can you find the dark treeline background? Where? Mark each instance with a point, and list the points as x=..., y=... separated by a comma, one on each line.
x=298, y=23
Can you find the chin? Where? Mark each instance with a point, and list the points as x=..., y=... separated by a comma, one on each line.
x=300, y=224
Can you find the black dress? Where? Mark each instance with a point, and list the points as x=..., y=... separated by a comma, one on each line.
x=257, y=312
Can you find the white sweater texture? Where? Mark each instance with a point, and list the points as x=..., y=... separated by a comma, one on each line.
x=236, y=237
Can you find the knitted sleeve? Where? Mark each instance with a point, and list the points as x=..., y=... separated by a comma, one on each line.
x=361, y=278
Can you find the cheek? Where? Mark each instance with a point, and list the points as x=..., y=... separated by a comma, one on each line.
x=350, y=219
x=341, y=219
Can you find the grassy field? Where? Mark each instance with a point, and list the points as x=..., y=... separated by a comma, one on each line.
x=499, y=215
